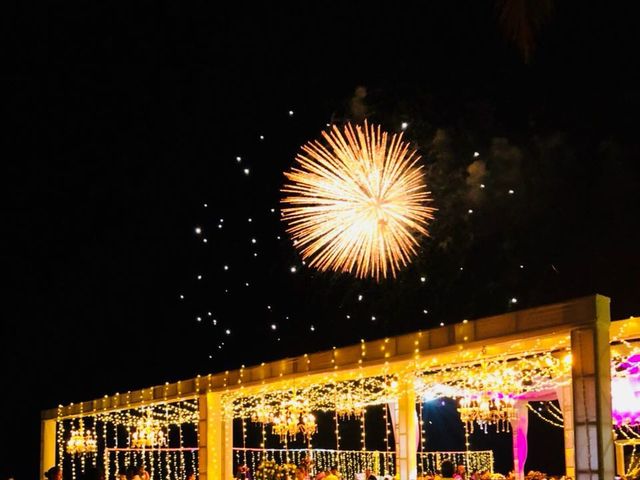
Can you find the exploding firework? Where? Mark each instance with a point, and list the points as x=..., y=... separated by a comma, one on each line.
x=357, y=202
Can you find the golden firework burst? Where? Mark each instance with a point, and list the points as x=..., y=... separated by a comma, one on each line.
x=357, y=202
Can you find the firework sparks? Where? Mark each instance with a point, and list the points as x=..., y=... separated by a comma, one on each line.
x=357, y=202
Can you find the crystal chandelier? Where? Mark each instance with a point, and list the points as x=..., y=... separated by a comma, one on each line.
x=308, y=426
x=347, y=406
x=292, y=418
x=284, y=424
x=81, y=442
x=485, y=410
x=148, y=433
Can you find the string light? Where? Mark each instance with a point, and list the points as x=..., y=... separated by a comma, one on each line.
x=511, y=374
x=542, y=417
x=422, y=435
x=60, y=437
x=387, y=469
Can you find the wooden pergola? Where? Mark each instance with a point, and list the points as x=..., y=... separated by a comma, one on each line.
x=582, y=325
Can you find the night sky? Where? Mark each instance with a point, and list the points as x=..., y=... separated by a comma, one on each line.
x=141, y=111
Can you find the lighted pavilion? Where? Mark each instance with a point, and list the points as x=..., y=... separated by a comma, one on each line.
x=567, y=352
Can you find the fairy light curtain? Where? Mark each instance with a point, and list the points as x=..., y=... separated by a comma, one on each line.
x=162, y=437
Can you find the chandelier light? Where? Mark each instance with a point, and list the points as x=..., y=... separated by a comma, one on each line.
x=485, y=410
x=148, y=433
x=347, y=406
x=293, y=417
x=82, y=442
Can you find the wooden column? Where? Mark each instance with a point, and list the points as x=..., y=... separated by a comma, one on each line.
x=406, y=428
x=591, y=381
x=47, y=445
x=565, y=399
x=215, y=447
x=620, y=470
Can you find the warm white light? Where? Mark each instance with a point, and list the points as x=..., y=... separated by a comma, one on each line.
x=511, y=192
x=514, y=300
x=404, y=125
x=273, y=326
x=82, y=442
x=423, y=279
x=360, y=297
x=425, y=311
x=442, y=324
x=482, y=185
x=373, y=318
x=476, y=154
x=470, y=210
x=293, y=269
x=198, y=230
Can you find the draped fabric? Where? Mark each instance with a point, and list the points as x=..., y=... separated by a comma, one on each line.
x=519, y=428
x=393, y=409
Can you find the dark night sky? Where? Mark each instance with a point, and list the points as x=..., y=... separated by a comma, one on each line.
x=142, y=109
